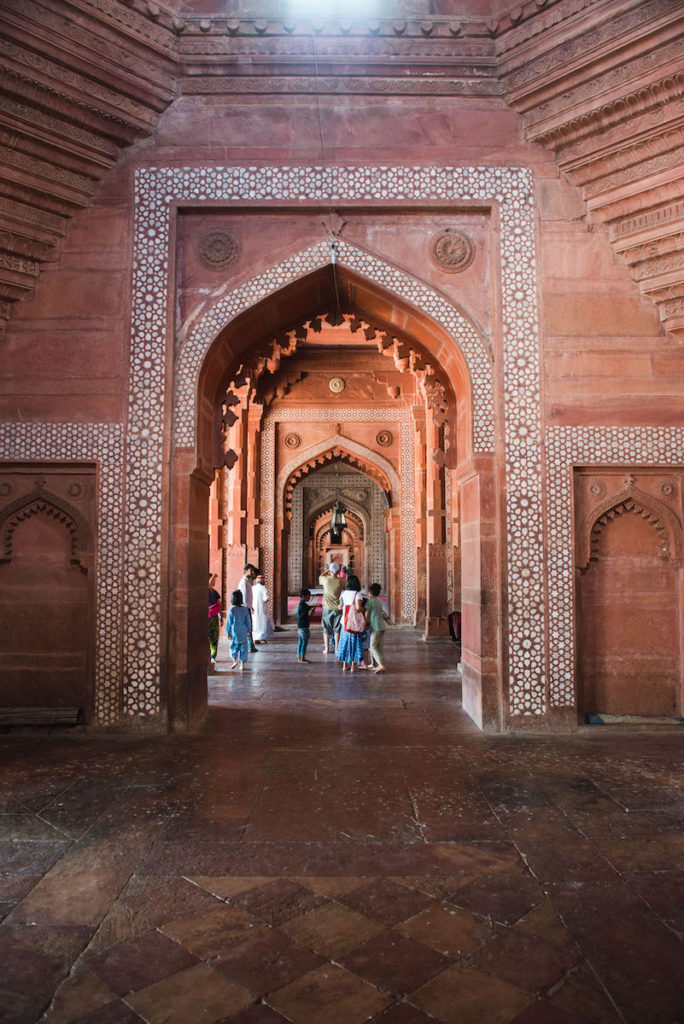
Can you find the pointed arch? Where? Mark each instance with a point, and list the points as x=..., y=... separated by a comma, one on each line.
x=353, y=448
x=630, y=499
x=41, y=502
x=197, y=340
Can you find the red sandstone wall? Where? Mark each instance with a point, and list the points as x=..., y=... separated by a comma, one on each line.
x=605, y=358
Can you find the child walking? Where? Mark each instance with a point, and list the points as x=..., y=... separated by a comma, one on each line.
x=238, y=627
x=303, y=630
x=377, y=627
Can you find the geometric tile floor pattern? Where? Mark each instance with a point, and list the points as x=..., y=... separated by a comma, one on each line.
x=339, y=850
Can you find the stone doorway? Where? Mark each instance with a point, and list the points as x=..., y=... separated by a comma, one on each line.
x=334, y=370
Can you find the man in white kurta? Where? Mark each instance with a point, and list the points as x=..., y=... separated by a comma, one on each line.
x=262, y=622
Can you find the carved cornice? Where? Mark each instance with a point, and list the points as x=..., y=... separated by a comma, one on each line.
x=603, y=88
x=427, y=28
x=599, y=82
x=640, y=111
x=629, y=161
x=604, y=38
x=79, y=80
x=435, y=56
x=537, y=17
x=343, y=85
x=141, y=20
x=45, y=29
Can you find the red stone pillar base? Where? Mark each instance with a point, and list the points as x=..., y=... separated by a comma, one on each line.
x=437, y=625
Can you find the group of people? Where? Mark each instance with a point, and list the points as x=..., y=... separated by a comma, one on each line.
x=249, y=620
x=353, y=621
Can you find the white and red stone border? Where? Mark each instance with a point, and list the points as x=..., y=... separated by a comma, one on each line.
x=508, y=188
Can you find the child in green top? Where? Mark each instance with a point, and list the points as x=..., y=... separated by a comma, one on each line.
x=377, y=627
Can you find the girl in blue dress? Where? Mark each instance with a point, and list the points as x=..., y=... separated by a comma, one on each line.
x=238, y=627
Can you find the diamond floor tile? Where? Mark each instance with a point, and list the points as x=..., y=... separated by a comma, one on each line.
x=329, y=995
x=198, y=995
x=394, y=962
x=461, y=995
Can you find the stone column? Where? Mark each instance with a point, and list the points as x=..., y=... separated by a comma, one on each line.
x=236, y=551
x=420, y=491
x=184, y=661
x=252, y=482
x=480, y=599
x=436, y=609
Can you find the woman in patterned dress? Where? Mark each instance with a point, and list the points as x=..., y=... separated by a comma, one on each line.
x=350, y=647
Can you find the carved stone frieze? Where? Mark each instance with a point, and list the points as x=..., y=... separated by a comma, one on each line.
x=611, y=33
x=126, y=54
x=132, y=22
x=324, y=29
x=430, y=85
x=537, y=17
x=639, y=113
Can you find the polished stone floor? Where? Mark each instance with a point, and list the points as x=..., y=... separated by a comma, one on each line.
x=336, y=849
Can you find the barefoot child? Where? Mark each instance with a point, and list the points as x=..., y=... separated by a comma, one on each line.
x=377, y=626
x=238, y=627
x=303, y=630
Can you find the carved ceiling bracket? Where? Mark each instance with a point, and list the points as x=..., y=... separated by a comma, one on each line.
x=267, y=358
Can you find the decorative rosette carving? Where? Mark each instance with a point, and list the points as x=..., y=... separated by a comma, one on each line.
x=597, y=489
x=218, y=249
x=292, y=440
x=384, y=438
x=452, y=250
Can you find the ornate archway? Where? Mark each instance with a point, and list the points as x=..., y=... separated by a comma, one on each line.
x=507, y=189
x=413, y=417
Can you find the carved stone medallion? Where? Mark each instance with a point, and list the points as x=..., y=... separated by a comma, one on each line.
x=336, y=385
x=452, y=250
x=597, y=489
x=384, y=438
x=292, y=440
x=218, y=249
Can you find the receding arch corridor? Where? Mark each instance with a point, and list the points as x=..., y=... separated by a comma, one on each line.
x=341, y=849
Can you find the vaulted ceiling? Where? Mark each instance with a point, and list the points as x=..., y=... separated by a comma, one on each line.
x=598, y=82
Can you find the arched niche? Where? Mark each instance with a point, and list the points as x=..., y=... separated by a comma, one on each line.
x=47, y=607
x=629, y=645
